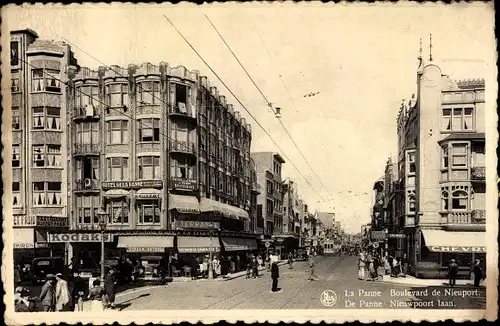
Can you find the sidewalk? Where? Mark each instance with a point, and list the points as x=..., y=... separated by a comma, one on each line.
x=413, y=281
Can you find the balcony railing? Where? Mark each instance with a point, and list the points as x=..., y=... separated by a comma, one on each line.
x=87, y=149
x=87, y=184
x=181, y=110
x=86, y=112
x=478, y=173
x=478, y=216
x=459, y=218
x=182, y=146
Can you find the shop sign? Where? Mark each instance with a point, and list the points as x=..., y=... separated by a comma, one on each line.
x=194, y=250
x=458, y=249
x=145, y=249
x=79, y=237
x=52, y=221
x=29, y=245
x=197, y=225
x=147, y=196
x=396, y=236
x=132, y=184
x=184, y=184
x=377, y=235
x=23, y=220
x=236, y=248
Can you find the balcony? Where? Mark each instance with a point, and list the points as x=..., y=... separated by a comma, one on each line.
x=86, y=149
x=185, y=147
x=478, y=173
x=182, y=110
x=87, y=185
x=86, y=112
x=460, y=221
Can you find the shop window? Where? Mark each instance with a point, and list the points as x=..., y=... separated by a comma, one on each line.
x=117, y=168
x=87, y=208
x=149, y=213
x=444, y=201
x=87, y=133
x=15, y=85
x=118, y=211
x=149, y=167
x=149, y=130
x=460, y=200
x=149, y=93
x=117, y=132
x=16, y=194
x=117, y=95
x=16, y=125
x=47, y=194
x=86, y=95
x=45, y=80
x=48, y=118
x=16, y=156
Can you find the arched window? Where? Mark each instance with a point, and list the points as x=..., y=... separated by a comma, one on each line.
x=411, y=204
x=460, y=200
x=444, y=201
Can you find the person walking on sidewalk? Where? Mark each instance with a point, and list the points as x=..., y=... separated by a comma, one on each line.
x=290, y=260
x=78, y=293
x=110, y=287
x=275, y=274
x=96, y=294
x=478, y=273
x=48, y=294
x=453, y=272
x=62, y=293
x=404, y=264
x=312, y=275
x=361, y=268
x=255, y=268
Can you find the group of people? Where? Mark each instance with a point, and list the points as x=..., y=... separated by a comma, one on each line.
x=476, y=271
x=55, y=295
x=370, y=262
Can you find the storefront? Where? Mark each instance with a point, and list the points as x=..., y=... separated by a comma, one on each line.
x=439, y=247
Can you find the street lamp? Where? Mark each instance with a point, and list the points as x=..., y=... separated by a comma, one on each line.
x=102, y=225
x=210, y=266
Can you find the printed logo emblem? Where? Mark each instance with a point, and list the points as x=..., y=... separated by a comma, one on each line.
x=328, y=298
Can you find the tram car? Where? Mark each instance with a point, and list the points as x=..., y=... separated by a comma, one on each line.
x=329, y=248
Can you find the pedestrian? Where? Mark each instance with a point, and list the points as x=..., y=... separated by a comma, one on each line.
x=290, y=260
x=361, y=268
x=62, y=293
x=453, y=272
x=78, y=293
x=312, y=275
x=371, y=270
x=48, y=294
x=110, y=287
x=237, y=264
x=96, y=294
x=23, y=302
x=194, y=268
x=275, y=274
x=249, y=269
x=255, y=268
x=17, y=275
x=405, y=265
x=205, y=266
x=478, y=273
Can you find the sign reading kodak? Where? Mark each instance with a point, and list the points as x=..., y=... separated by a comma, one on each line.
x=132, y=184
x=79, y=237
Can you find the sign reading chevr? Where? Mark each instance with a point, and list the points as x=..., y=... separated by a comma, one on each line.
x=457, y=249
x=79, y=237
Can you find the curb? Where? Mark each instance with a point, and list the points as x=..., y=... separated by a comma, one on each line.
x=428, y=285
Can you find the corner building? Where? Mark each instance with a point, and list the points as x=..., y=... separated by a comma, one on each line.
x=441, y=174
x=166, y=157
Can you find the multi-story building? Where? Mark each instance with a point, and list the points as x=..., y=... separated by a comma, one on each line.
x=289, y=235
x=39, y=142
x=270, y=201
x=441, y=165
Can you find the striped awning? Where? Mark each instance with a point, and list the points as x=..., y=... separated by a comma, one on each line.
x=184, y=204
x=145, y=243
x=116, y=193
x=209, y=205
x=197, y=244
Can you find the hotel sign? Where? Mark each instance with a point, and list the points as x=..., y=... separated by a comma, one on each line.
x=132, y=184
x=41, y=221
x=23, y=220
x=197, y=225
x=79, y=237
x=184, y=184
x=461, y=249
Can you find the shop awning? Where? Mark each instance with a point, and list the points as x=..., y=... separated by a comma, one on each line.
x=184, y=204
x=145, y=243
x=197, y=244
x=209, y=205
x=251, y=244
x=238, y=212
x=234, y=244
x=148, y=193
x=116, y=193
x=24, y=238
x=451, y=241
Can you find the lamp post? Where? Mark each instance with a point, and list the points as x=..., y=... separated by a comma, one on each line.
x=102, y=225
x=210, y=266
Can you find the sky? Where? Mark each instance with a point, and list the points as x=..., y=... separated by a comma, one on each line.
x=362, y=60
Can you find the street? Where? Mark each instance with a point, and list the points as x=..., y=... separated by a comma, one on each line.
x=338, y=274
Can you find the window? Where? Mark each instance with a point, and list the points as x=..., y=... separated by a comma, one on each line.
x=14, y=53
x=48, y=118
x=412, y=168
x=53, y=155
x=87, y=168
x=269, y=207
x=269, y=187
x=46, y=155
x=16, y=156
x=15, y=85
x=149, y=167
x=15, y=118
x=221, y=181
x=45, y=80
x=411, y=204
x=181, y=97
x=444, y=164
x=181, y=168
x=118, y=211
x=117, y=95
x=86, y=95
x=16, y=194
x=149, y=130
x=117, y=132
x=444, y=200
x=459, y=156
x=458, y=119
x=149, y=214
x=47, y=193
x=87, y=208
x=149, y=93
x=87, y=133
x=459, y=200
x=118, y=168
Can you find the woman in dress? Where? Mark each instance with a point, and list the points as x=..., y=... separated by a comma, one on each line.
x=95, y=295
x=361, y=268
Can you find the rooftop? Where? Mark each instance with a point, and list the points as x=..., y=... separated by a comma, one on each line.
x=471, y=83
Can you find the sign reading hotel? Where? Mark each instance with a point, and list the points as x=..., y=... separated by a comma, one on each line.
x=23, y=220
x=132, y=184
x=79, y=237
x=41, y=221
x=184, y=184
x=197, y=225
x=464, y=249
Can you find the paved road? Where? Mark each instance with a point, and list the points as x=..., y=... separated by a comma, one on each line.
x=336, y=274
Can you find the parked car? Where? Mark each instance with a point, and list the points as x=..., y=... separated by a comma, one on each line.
x=302, y=254
x=42, y=266
x=150, y=269
x=87, y=269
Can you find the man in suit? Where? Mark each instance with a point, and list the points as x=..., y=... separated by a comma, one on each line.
x=23, y=301
x=275, y=274
x=453, y=272
x=48, y=294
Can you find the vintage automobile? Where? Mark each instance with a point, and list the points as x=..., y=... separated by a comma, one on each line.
x=149, y=269
x=301, y=254
x=42, y=266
